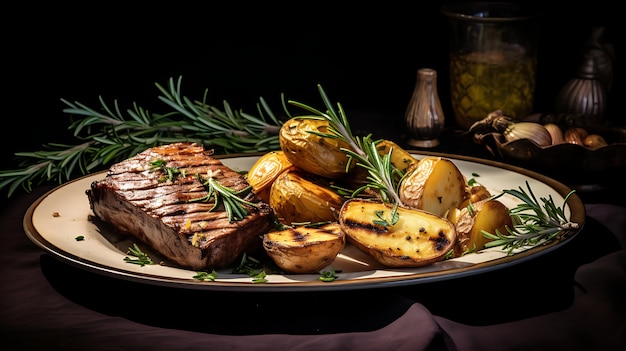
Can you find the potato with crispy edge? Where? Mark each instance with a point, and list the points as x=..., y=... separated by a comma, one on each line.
x=313, y=153
x=488, y=215
x=400, y=158
x=298, y=197
x=435, y=185
x=265, y=170
x=416, y=239
x=305, y=249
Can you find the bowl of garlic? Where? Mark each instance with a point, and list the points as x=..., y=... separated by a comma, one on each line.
x=554, y=144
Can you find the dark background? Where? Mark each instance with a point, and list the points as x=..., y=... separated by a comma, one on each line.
x=364, y=57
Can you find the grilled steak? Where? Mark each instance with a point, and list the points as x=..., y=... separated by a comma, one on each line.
x=159, y=197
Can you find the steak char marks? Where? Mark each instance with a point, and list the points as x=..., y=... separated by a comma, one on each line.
x=164, y=211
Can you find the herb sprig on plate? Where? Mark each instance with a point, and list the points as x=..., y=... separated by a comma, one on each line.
x=535, y=222
x=110, y=134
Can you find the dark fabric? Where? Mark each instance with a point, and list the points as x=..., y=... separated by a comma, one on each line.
x=571, y=299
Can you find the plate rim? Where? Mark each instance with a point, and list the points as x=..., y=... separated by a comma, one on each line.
x=575, y=204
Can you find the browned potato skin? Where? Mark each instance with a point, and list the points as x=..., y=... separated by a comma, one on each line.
x=487, y=215
x=305, y=250
x=312, y=153
x=265, y=170
x=400, y=158
x=297, y=197
x=435, y=185
x=418, y=238
x=474, y=194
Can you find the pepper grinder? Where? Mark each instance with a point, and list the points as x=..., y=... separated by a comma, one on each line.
x=424, y=117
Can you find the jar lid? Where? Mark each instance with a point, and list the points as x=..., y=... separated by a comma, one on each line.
x=490, y=12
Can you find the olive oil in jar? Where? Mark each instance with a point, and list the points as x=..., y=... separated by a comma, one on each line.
x=482, y=82
x=493, y=58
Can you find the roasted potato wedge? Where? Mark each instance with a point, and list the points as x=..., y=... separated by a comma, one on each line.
x=400, y=158
x=416, y=239
x=298, y=197
x=305, y=249
x=470, y=221
x=310, y=152
x=265, y=170
x=435, y=185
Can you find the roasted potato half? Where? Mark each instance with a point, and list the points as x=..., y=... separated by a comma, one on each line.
x=416, y=239
x=298, y=197
x=400, y=158
x=305, y=249
x=310, y=152
x=265, y=170
x=470, y=221
x=435, y=185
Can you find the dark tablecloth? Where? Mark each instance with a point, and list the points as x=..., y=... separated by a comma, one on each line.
x=573, y=298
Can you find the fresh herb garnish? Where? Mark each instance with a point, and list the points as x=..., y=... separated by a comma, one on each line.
x=386, y=222
x=251, y=267
x=382, y=174
x=138, y=256
x=260, y=277
x=79, y=238
x=233, y=201
x=535, y=222
x=170, y=172
x=328, y=276
x=472, y=182
x=205, y=276
x=107, y=135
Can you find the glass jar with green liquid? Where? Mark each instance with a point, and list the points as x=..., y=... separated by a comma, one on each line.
x=493, y=59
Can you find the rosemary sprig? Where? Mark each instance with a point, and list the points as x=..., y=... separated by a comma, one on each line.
x=138, y=256
x=382, y=175
x=543, y=223
x=392, y=220
x=535, y=222
x=171, y=173
x=233, y=200
x=108, y=135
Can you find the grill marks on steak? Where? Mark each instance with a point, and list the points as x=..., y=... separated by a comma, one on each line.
x=141, y=201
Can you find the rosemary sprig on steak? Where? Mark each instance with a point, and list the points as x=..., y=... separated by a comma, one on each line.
x=232, y=200
x=171, y=173
x=109, y=134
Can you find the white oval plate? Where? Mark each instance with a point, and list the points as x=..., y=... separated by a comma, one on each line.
x=57, y=218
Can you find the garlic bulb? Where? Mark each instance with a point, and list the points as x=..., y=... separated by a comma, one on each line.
x=512, y=130
x=528, y=130
x=555, y=132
